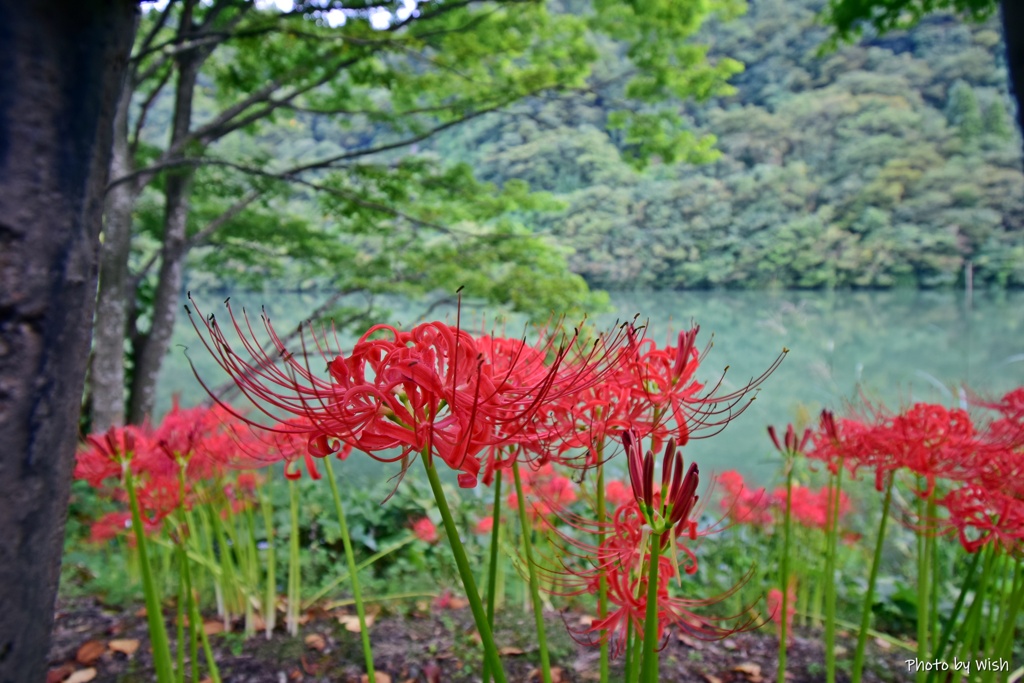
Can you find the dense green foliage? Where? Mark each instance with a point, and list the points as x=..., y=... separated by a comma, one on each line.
x=891, y=162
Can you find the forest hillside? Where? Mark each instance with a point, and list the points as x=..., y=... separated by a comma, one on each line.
x=893, y=162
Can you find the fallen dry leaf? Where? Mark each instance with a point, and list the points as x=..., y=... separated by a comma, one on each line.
x=90, y=651
x=351, y=622
x=749, y=669
x=712, y=679
x=509, y=650
x=586, y=620
x=690, y=642
x=212, y=627
x=81, y=676
x=883, y=644
x=126, y=646
x=315, y=641
x=458, y=603
x=432, y=672
x=59, y=673
x=556, y=675
x=378, y=677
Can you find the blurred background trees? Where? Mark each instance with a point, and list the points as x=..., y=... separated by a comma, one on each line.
x=285, y=141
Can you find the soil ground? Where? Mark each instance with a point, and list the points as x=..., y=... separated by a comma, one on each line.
x=434, y=645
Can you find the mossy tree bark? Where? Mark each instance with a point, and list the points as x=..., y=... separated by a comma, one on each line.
x=61, y=69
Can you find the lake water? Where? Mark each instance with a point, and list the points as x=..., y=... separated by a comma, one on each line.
x=899, y=347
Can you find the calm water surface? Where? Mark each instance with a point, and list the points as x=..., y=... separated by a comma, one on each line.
x=897, y=347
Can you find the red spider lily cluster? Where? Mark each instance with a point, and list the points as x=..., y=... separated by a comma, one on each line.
x=477, y=403
x=191, y=455
x=483, y=403
x=973, y=466
x=434, y=390
x=546, y=491
x=757, y=508
x=621, y=559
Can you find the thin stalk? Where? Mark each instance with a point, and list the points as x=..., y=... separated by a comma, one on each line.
x=531, y=569
x=195, y=623
x=649, y=667
x=294, y=567
x=270, y=595
x=154, y=615
x=947, y=630
x=923, y=595
x=1004, y=645
x=787, y=527
x=492, y=563
x=230, y=583
x=251, y=571
x=179, y=666
x=465, y=572
x=602, y=582
x=353, y=572
x=336, y=581
x=628, y=675
x=869, y=595
x=830, y=571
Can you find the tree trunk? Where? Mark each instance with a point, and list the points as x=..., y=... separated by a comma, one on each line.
x=1013, y=36
x=107, y=374
x=177, y=190
x=61, y=70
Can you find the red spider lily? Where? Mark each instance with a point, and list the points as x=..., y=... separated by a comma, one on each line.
x=106, y=454
x=115, y=525
x=620, y=558
x=171, y=463
x=433, y=389
x=546, y=492
x=425, y=530
x=791, y=444
x=654, y=393
x=743, y=505
x=775, y=606
x=484, y=525
x=982, y=515
x=809, y=508
x=671, y=506
x=616, y=493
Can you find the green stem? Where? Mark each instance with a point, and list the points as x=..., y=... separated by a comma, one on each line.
x=294, y=566
x=1004, y=645
x=869, y=595
x=465, y=572
x=353, y=572
x=179, y=666
x=787, y=526
x=602, y=581
x=830, y=571
x=531, y=570
x=492, y=563
x=195, y=622
x=154, y=614
x=649, y=667
x=947, y=630
x=336, y=581
x=270, y=595
x=923, y=595
x=628, y=675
